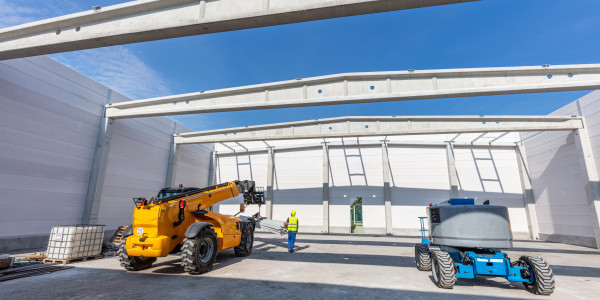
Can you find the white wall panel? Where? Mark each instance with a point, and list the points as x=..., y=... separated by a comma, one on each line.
x=48, y=127
x=419, y=177
x=298, y=186
x=356, y=172
x=492, y=174
x=557, y=181
x=47, y=141
x=243, y=166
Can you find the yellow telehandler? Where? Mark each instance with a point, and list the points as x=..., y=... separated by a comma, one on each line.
x=181, y=219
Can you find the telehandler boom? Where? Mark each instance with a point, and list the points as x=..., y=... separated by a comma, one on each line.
x=181, y=219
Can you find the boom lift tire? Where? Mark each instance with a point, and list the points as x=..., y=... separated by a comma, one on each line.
x=422, y=258
x=444, y=273
x=198, y=254
x=245, y=247
x=133, y=263
x=543, y=279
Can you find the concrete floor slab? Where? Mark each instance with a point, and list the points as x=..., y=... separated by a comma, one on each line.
x=324, y=267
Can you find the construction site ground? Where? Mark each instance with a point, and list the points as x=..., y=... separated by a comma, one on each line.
x=323, y=267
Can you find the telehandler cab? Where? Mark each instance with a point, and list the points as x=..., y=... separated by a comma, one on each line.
x=180, y=219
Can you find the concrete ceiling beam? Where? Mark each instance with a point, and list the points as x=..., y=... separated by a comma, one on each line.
x=149, y=20
x=369, y=87
x=381, y=126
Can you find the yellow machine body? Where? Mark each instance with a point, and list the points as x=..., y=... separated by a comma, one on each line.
x=156, y=232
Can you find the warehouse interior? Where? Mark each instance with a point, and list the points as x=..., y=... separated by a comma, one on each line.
x=74, y=151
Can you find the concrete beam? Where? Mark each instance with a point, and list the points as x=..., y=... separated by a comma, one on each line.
x=325, y=188
x=96, y=182
x=212, y=169
x=452, y=174
x=377, y=144
x=149, y=20
x=381, y=126
x=171, y=167
x=387, y=192
x=270, y=181
x=590, y=175
x=528, y=197
x=369, y=87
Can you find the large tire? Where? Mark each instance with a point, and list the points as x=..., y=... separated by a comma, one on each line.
x=542, y=277
x=422, y=258
x=198, y=254
x=133, y=263
x=246, y=242
x=444, y=273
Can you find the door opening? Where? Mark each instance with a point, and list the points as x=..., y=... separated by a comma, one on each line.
x=356, y=216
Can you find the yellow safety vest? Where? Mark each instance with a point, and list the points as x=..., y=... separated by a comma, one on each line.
x=293, y=224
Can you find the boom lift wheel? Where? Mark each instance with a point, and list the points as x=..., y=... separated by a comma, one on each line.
x=444, y=273
x=198, y=254
x=133, y=263
x=542, y=279
x=422, y=258
x=245, y=247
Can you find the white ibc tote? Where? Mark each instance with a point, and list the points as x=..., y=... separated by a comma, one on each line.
x=75, y=241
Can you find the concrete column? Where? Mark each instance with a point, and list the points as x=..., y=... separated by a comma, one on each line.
x=387, y=193
x=96, y=182
x=325, y=188
x=212, y=169
x=171, y=171
x=590, y=176
x=528, y=199
x=270, y=177
x=452, y=175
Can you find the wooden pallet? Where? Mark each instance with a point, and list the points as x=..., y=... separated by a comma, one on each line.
x=68, y=261
x=118, y=236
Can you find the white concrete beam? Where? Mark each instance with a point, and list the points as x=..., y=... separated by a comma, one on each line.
x=270, y=181
x=171, y=167
x=590, y=176
x=528, y=197
x=149, y=20
x=212, y=169
x=98, y=173
x=389, y=143
x=381, y=126
x=387, y=192
x=325, y=188
x=369, y=87
x=452, y=174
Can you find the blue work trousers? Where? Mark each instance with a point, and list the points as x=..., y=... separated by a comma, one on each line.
x=291, y=240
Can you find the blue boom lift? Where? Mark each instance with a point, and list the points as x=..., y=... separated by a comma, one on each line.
x=470, y=239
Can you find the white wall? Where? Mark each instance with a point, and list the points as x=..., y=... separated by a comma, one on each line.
x=298, y=186
x=419, y=176
x=356, y=172
x=557, y=181
x=49, y=121
x=493, y=174
x=241, y=167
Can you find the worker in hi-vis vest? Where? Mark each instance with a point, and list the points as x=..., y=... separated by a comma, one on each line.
x=292, y=228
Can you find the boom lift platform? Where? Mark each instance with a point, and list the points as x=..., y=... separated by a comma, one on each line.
x=182, y=219
x=470, y=238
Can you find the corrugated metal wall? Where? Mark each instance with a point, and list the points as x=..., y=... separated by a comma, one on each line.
x=49, y=123
x=557, y=181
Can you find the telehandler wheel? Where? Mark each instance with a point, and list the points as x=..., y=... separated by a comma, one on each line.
x=198, y=254
x=444, y=274
x=422, y=258
x=133, y=263
x=246, y=242
x=542, y=279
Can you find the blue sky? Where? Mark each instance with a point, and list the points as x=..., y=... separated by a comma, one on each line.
x=488, y=33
